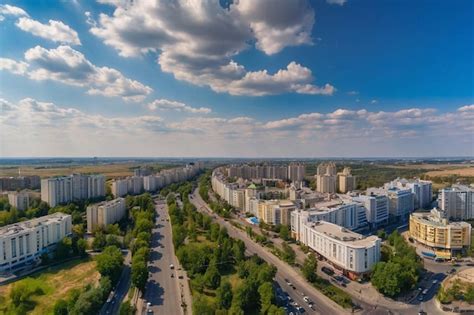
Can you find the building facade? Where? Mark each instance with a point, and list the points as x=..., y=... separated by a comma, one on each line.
x=64, y=189
x=105, y=213
x=436, y=232
x=376, y=209
x=19, y=200
x=23, y=243
x=346, y=181
x=352, y=253
x=457, y=202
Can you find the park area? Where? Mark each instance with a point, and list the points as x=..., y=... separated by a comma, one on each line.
x=38, y=293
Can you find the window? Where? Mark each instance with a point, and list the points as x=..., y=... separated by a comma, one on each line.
x=20, y=239
x=13, y=243
x=27, y=238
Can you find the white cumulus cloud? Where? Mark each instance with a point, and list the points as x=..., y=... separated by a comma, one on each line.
x=165, y=104
x=196, y=41
x=55, y=31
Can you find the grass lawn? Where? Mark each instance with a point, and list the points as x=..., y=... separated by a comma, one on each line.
x=55, y=282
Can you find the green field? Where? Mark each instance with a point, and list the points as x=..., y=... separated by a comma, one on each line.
x=51, y=284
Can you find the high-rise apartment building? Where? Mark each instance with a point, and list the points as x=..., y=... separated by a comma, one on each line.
x=376, y=208
x=296, y=172
x=105, y=213
x=347, y=182
x=421, y=189
x=58, y=190
x=457, y=202
x=19, y=200
x=326, y=180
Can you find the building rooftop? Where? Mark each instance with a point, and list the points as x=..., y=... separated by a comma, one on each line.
x=342, y=234
x=434, y=217
x=27, y=225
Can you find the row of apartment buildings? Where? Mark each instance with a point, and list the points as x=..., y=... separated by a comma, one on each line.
x=293, y=172
x=329, y=181
x=64, y=189
x=19, y=182
x=137, y=184
x=23, y=243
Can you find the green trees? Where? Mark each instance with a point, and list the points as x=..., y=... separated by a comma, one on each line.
x=267, y=296
x=309, y=268
x=110, y=263
x=127, y=309
x=224, y=295
x=139, y=274
x=60, y=307
x=63, y=248
x=400, y=269
x=284, y=232
x=90, y=301
x=289, y=254
x=212, y=277
x=99, y=241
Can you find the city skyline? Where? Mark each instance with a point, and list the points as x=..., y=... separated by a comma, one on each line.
x=206, y=79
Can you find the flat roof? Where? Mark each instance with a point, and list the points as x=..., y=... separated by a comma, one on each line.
x=15, y=228
x=342, y=234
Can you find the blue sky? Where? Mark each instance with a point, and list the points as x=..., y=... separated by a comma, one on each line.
x=267, y=78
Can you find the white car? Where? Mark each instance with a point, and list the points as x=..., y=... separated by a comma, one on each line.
x=148, y=304
x=171, y=266
x=306, y=299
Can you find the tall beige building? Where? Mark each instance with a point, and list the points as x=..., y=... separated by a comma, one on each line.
x=347, y=182
x=326, y=179
x=105, y=213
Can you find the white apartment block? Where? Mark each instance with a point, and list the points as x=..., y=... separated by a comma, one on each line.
x=58, y=190
x=296, y=172
x=401, y=201
x=19, y=200
x=376, y=208
x=119, y=187
x=457, y=202
x=350, y=252
x=350, y=215
x=422, y=190
x=22, y=243
x=105, y=213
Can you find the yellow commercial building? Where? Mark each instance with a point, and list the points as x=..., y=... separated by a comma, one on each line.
x=435, y=231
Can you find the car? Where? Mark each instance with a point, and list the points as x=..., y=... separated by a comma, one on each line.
x=306, y=299
x=420, y=289
x=420, y=297
x=424, y=291
x=435, y=281
x=180, y=277
x=149, y=311
x=172, y=275
x=148, y=304
x=327, y=270
x=171, y=266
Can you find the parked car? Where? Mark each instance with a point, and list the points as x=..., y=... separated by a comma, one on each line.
x=327, y=270
x=171, y=266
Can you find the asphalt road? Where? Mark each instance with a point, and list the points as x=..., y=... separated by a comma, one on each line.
x=322, y=305
x=112, y=306
x=162, y=290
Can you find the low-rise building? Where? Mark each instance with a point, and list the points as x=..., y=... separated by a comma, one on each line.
x=352, y=253
x=436, y=232
x=23, y=243
x=105, y=213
